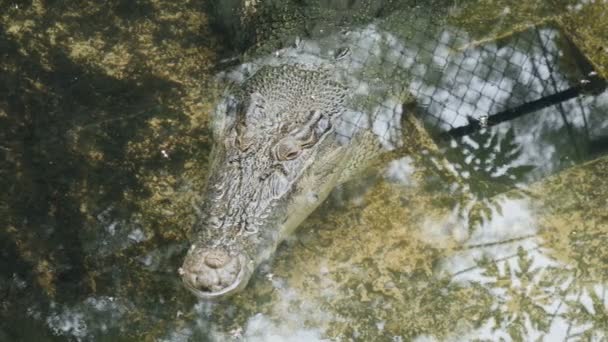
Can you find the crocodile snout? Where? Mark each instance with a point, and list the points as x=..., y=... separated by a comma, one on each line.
x=213, y=272
x=217, y=258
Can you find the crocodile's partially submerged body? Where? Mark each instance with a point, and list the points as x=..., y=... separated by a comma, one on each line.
x=284, y=138
x=308, y=117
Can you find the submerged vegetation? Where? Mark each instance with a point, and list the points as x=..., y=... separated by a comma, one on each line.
x=104, y=111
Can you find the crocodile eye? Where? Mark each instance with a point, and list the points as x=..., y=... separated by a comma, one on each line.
x=287, y=150
x=309, y=141
x=292, y=155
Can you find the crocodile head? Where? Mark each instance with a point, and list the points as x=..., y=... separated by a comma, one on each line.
x=275, y=158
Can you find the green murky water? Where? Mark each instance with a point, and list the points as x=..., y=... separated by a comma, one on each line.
x=496, y=235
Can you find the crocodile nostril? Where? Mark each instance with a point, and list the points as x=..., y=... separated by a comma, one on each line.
x=217, y=258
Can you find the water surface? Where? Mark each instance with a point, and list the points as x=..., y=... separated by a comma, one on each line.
x=474, y=229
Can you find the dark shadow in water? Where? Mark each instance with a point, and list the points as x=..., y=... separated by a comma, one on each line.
x=47, y=100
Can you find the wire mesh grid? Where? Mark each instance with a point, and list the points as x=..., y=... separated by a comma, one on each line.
x=458, y=84
x=472, y=86
x=482, y=80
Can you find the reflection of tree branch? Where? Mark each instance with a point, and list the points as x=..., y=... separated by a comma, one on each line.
x=468, y=269
x=568, y=336
x=496, y=243
x=487, y=170
x=562, y=300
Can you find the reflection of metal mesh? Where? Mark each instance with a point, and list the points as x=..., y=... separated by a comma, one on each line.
x=484, y=84
x=461, y=85
x=458, y=85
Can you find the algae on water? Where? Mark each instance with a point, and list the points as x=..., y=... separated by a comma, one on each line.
x=104, y=108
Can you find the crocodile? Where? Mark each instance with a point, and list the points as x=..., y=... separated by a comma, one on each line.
x=308, y=117
x=283, y=145
x=292, y=129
